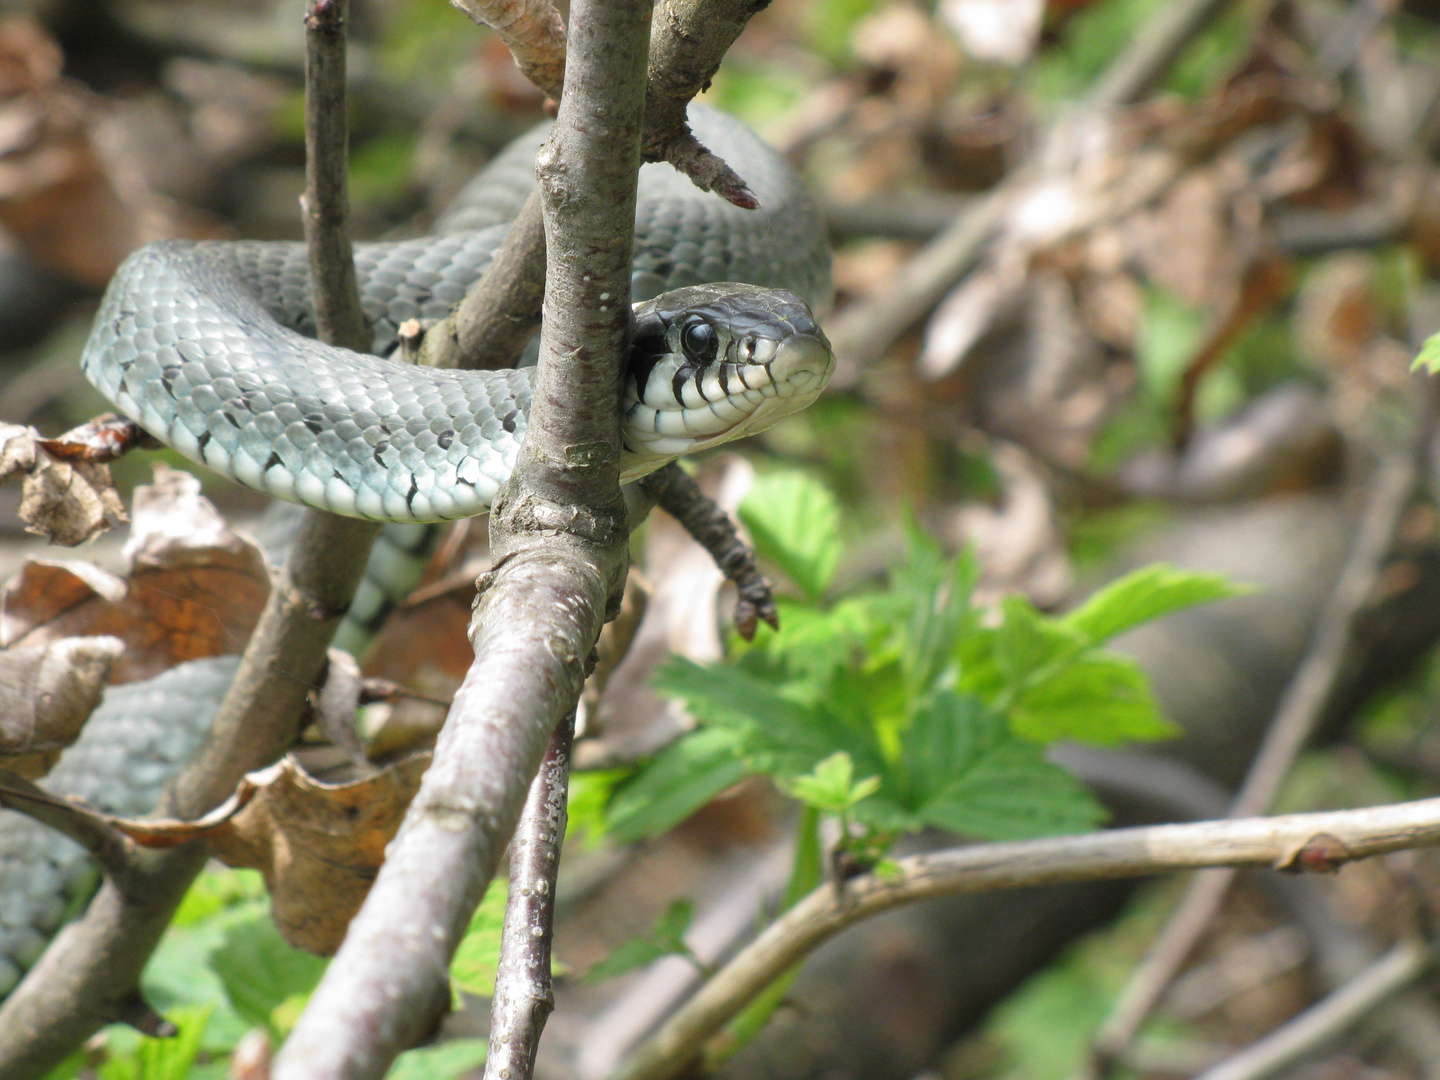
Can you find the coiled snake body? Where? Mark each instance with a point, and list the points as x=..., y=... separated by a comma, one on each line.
x=204, y=345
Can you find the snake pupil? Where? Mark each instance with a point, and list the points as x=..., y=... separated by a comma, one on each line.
x=700, y=342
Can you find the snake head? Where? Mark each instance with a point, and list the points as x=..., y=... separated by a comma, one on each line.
x=712, y=363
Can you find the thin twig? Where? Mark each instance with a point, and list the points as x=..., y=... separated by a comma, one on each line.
x=524, y=994
x=107, y=845
x=1329, y=1018
x=325, y=205
x=88, y=976
x=1293, y=842
x=689, y=39
x=710, y=526
x=1299, y=711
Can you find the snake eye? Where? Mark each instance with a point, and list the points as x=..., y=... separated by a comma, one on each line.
x=699, y=341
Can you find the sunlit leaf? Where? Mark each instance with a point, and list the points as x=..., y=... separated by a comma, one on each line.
x=679, y=781
x=261, y=970
x=1149, y=593
x=1429, y=357
x=795, y=523
x=1102, y=698
x=441, y=1062
x=472, y=971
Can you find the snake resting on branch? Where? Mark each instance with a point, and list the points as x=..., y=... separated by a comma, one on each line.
x=205, y=345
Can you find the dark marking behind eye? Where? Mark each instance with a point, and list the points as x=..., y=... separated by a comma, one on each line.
x=677, y=384
x=645, y=352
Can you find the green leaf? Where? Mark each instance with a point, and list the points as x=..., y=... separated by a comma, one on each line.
x=831, y=786
x=1148, y=593
x=727, y=697
x=1012, y=793
x=1027, y=641
x=682, y=778
x=963, y=771
x=795, y=523
x=472, y=970
x=665, y=938
x=441, y=1062
x=934, y=593
x=159, y=1059
x=260, y=970
x=1102, y=698
x=1429, y=357
x=179, y=974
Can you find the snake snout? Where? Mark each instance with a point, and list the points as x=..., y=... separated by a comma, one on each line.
x=803, y=364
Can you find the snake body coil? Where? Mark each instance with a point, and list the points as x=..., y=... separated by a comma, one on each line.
x=205, y=346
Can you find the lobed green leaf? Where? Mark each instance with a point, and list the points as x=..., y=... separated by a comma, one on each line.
x=794, y=521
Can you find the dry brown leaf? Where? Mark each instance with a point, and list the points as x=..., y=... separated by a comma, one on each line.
x=195, y=588
x=47, y=692
x=65, y=498
x=318, y=845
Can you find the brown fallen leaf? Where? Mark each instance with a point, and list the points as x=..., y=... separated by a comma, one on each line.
x=194, y=588
x=66, y=501
x=319, y=845
x=47, y=692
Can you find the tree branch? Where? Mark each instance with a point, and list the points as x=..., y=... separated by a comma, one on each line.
x=524, y=995
x=1329, y=1018
x=533, y=32
x=1314, y=842
x=559, y=532
x=500, y=313
x=89, y=975
x=1296, y=717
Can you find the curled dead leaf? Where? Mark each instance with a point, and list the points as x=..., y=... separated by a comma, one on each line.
x=47, y=692
x=195, y=588
x=319, y=845
x=65, y=501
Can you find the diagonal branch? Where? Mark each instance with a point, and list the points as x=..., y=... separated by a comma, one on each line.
x=524, y=994
x=499, y=315
x=1299, y=842
x=89, y=975
x=559, y=531
x=1295, y=720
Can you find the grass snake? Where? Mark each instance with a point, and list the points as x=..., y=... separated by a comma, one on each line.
x=208, y=347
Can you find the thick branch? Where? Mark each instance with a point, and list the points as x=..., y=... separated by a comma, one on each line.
x=88, y=976
x=1294, y=842
x=559, y=533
